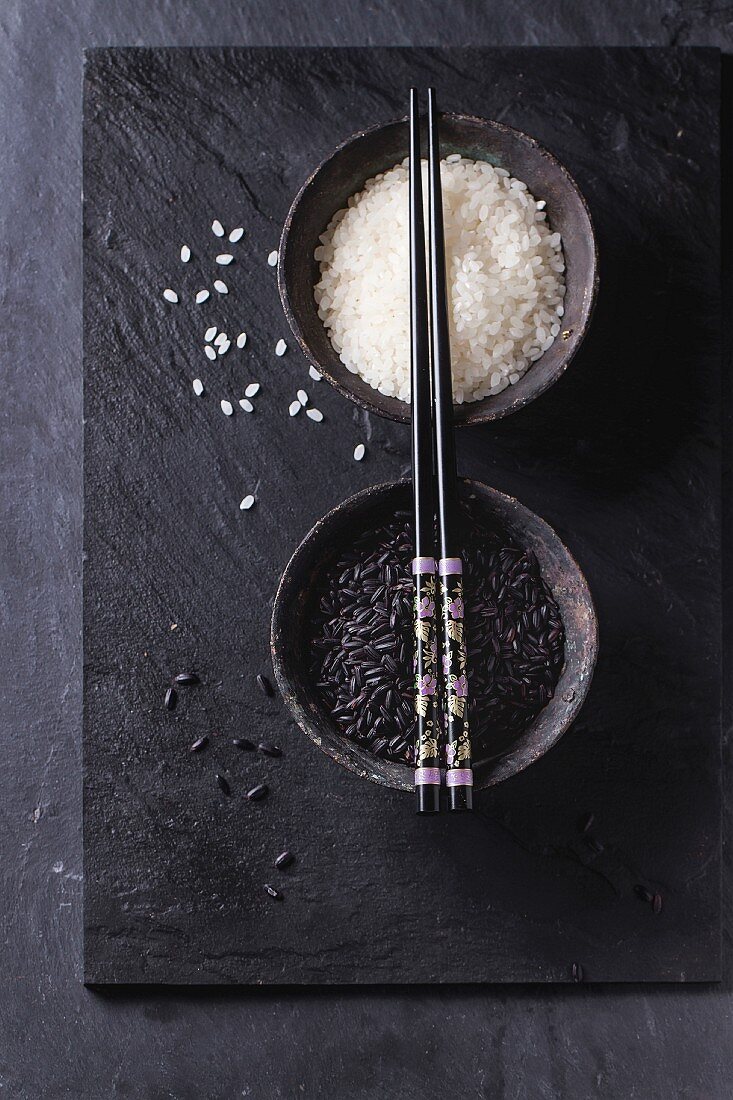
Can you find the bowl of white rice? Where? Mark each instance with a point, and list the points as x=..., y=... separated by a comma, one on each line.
x=521, y=265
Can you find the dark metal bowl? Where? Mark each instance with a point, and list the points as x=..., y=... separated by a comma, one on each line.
x=291, y=657
x=372, y=151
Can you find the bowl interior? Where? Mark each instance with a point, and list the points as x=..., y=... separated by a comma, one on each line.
x=378, y=149
x=297, y=595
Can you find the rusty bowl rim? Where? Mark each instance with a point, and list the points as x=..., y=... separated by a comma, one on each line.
x=399, y=776
x=400, y=413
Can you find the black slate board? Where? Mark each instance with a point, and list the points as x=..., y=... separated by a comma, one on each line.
x=622, y=456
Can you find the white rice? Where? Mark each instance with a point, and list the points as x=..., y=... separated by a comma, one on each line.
x=505, y=279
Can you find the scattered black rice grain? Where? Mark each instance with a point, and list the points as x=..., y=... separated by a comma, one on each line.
x=264, y=685
x=258, y=792
x=284, y=860
x=594, y=844
x=577, y=972
x=199, y=744
x=171, y=698
x=657, y=903
x=243, y=743
x=186, y=679
x=585, y=822
x=272, y=891
x=643, y=893
x=363, y=645
x=223, y=784
x=269, y=749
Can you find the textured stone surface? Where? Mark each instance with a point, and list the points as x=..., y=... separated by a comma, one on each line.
x=615, y=454
x=60, y=1039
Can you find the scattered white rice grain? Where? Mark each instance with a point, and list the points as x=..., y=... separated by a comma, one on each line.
x=280, y=347
x=217, y=228
x=295, y=407
x=224, y=348
x=252, y=389
x=201, y=297
x=209, y=351
x=314, y=414
x=241, y=339
x=227, y=408
x=315, y=375
x=302, y=397
x=221, y=339
x=185, y=254
x=170, y=295
x=210, y=334
x=272, y=258
x=198, y=387
x=236, y=235
x=220, y=287
x=246, y=405
x=224, y=258
x=359, y=452
x=247, y=503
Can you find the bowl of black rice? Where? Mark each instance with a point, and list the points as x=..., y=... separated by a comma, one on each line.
x=342, y=631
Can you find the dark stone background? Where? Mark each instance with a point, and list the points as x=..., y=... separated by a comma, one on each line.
x=614, y=455
x=59, y=1039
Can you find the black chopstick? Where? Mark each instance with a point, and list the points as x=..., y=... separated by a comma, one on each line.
x=427, y=762
x=459, y=772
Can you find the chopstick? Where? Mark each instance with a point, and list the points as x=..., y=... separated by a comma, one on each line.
x=459, y=772
x=427, y=761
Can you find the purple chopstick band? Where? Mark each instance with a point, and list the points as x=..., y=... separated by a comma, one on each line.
x=427, y=776
x=423, y=565
x=447, y=566
x=459, y=777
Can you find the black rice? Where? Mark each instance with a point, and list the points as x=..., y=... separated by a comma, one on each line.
x=223, y=784
x=171, y=698
x=199, y=744
x=258, y=792
x=362, y=638
x=186, y=679
x=243, y=743
x=271, y=891
x=284, y=860
x=264, y=685
x=269, y=749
